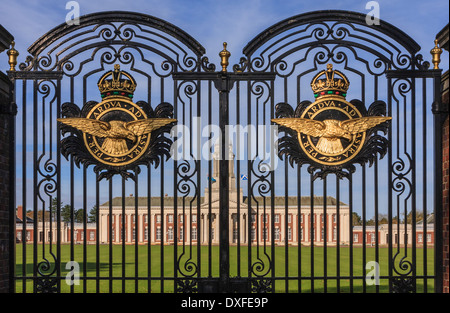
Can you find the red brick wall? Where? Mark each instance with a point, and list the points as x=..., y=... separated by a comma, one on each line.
x=445, y=187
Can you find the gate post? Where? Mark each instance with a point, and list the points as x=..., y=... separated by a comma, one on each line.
x=6, y=250
x=442, y=39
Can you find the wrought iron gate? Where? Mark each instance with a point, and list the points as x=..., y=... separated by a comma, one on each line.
x=304, y=217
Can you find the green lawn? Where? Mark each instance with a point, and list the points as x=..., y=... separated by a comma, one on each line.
x=238, y=266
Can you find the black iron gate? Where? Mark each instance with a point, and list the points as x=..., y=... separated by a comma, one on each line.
x=346, y=189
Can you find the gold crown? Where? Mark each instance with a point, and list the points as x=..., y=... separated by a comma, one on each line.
x=334, y=83
x=117, y=86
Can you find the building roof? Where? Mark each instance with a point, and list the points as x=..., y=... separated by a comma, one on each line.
x=169, y=201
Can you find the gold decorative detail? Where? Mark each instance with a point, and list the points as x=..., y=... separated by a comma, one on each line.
x=117, y=86
x=12, y=53
x=330, y=131
x=115, y=133
x=329, y=82
x=224, y=55
x=436, y=53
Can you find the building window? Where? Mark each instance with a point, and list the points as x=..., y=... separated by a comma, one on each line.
x=170, y=234
x=372, y=237
x=19, y=235
x=28, y=235
x=134, y=234
x=181, y=234
x=91, y=235
x=277, y=218
x=334, y=218
x=277, y=234
x=235, y=235
x=212, y=233
x=355, y=237
x=194, y=218
x=289, y=218
x=301, y=218
x=145, y=218
x=253, y=233
x=334, y=233
x=158, y=233
x=322, y=234
x=265, y=237
x=253, y=218
x=146, y=233
x=194, y=233
x=158, y=218
x=180, y=218
x=170, y=218
x=428, y=237
x=301, y=233
x=420, y=238
x=289, y=233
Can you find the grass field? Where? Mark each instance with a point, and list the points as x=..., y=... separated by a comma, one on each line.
x=163, y=266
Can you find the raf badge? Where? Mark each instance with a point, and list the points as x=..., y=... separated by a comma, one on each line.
x=331, y=132
x=115, y=134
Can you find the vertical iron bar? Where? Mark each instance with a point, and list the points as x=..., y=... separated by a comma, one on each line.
x=224, y=187
x=24, y=182
x=135, y=231
x=438, y=119
x=338, y=234
x=299, y=229
x=12, y=189
x=122, y=234
x=312, y=230
x=364, y=218
x=424, y=186
x=325, y=233
x=350, y=200
x=389, y=81
x=97, y=232
x=110, y=220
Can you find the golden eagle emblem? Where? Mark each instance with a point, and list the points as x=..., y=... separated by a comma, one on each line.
x=331, y=131
x=116, y=133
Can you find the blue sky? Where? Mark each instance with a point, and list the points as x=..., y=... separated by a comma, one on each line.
x=211, y=22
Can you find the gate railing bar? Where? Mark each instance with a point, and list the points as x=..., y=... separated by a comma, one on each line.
x=424, y=186
x=313, y=227
x=325, y=234
x=24, y=184
x=210, y=182
x=150, y=224
x=338, y=233
x=414, y=188
x=162, y=225
x=299, y=229
x=350, y=208
x=238, y=181
x=84, y=229
x=122, y=233
x=110, y=220
x=97, y=233
x=389, y=113
x=364, y=258
x=136, y=229
x=35, y=173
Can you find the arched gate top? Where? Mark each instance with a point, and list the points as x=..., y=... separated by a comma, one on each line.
x=329, y=16
x=116, y=16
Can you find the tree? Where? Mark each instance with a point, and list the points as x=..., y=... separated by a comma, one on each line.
x=92, y=218
x=356, y=219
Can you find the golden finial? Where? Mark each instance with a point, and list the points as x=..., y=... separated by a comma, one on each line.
x=436, y=53
x=224, y=55
x=12, y=53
